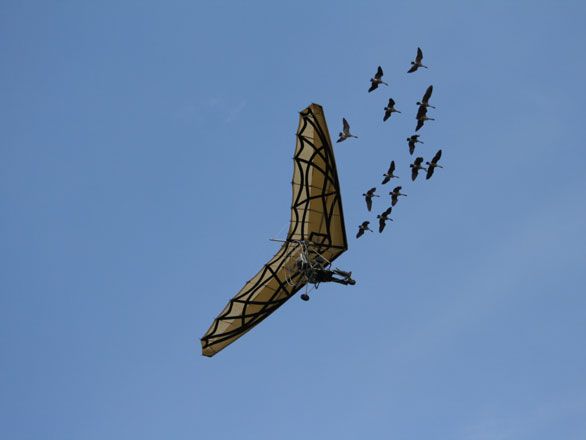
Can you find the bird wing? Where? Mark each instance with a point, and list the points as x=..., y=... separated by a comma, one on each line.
x=316, y=218
x=388, y=211
x=381, y=224
x=418, y=161
x=392, y=167
x=429, y=172
x=413, y=68
x=419, y=125
x=419, y=55
x=369, y=202
x=373, y=86
x=360, y=232
x=412, y=145
x=437, y=156
x=387, y=115
x=391, y=102
x=379, y=73
x=421, y=112
x=385, y=180
x=427, y=95
x=414, y=171
x=346, y=126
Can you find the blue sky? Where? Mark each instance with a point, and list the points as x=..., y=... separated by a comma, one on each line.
x=146, y=160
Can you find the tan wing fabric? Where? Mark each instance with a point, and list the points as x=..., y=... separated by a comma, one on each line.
x=316, y=211
x=316, y=218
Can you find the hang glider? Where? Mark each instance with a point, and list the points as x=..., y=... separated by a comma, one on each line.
x=316, y=237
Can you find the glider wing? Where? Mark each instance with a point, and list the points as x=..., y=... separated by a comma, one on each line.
x=317, y=223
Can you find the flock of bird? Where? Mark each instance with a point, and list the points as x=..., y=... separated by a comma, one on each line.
x=416, y=166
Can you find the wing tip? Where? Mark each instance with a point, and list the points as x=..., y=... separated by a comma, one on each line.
x=206, y=349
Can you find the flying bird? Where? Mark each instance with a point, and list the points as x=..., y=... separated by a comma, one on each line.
x=383, y=218
x=412, y=141
x=424, y=101
x=395, y=193
x=363, y=227
x=422, y=117
x=417, y=63
x=345, y=134
x=368, y=196
x=389, y=174
x=390, y=108
x=416, y=166
x=433, y=164
x=378, y=79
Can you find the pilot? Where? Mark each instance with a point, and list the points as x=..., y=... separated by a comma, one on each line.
x=301, y=264
x=317, y=276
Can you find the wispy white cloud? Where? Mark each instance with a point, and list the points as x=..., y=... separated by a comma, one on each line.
x=235, y=111
x=219, y=107
x=536, y=247
x=526, y=423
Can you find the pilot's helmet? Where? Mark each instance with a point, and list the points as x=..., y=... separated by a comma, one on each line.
x=319, y=260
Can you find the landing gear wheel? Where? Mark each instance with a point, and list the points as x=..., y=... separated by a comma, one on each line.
x=305, y=297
